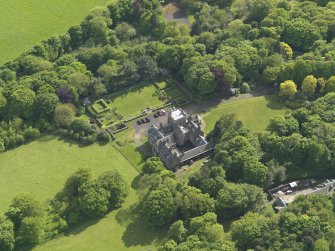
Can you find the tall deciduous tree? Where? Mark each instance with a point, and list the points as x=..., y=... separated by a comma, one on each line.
x=288, y=89
x=64, y=115
x=114, y=183
x=31, y=231
x=93, y=199
x=309, y=84
x=192, y=202
x=7, y=236
x=237, y=199
x=21, y=102
x=159, y=207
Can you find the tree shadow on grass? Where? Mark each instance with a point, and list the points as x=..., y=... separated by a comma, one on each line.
x=137, y=233
x=46, y=138
x=135, y=182
x=82, y=227
x=274, y=102
x=144, y=150
x=127, y=215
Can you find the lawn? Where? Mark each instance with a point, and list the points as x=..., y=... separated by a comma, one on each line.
x=135, y=100
x=42, y=167
x=254, y=112
x=25, y=23
x=118, y=231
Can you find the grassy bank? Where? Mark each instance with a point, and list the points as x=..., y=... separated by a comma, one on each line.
x=25, y=23
x=254, y=112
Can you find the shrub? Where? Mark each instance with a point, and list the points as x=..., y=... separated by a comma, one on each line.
x=245, y=88
x=104, y=137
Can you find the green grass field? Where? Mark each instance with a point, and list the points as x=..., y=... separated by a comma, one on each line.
x=255, y=112
x=120, y=230
x=25, y=23
x=42, y=167
x=136, y=100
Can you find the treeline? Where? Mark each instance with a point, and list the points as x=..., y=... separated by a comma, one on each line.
x=231, y=44
x=193, y=208
x=27, y=222
x=193, y=213
x=307, y=224
x=303, y=140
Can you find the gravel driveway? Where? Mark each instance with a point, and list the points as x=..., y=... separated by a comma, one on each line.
x=141, y=130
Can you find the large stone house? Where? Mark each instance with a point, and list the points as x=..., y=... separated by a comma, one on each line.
x=180, y=140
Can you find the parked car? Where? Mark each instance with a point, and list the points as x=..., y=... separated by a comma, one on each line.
x=143, y=121
x=139, y=122
x=147, y=120
x=156, y=115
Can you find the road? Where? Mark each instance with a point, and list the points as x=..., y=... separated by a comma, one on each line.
x=202, y=107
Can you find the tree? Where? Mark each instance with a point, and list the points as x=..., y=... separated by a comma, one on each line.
x=31, y=231
x=114, y=183
x=3, y=103
x=93, y=199
x=79, y=125
x=283, y=126
x=21, y=102
x=153, y=165
x=321, y=245
x=147, y=68
x=198, y=76
x=67, y=94
x=235, y=200
x=76, y=180
x=300, y=34
x=277, y=173
x=208, y=231
x=286, y=51
x=29, y=65
x=45, y=104
x=158, y=207
x=255, y=172
x=76, y=34
x=330, y=84
x=7, y=75
x=288, y=89
x=248, y=230
x=125, y=31
x=192, y=202
x=7, y=239
x=210, y=179
x=177, y=231
x=22, y=206
x=308, y=86
x=170, y=245
x=64, y=115
x=80, y=82
x=260, y=9
x=95, y=29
